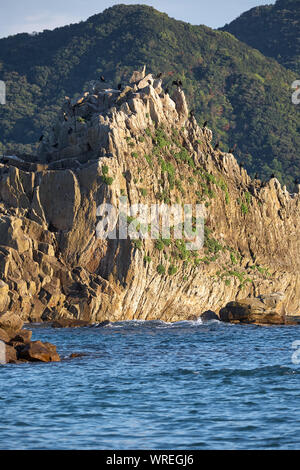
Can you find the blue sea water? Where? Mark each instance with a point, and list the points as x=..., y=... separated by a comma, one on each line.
x=152, y=385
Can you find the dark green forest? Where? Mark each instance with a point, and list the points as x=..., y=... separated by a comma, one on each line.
x=272, y=29
x=245, y=96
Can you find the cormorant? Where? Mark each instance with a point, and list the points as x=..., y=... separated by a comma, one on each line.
x=89, y=146
x=120, y=86
x=167, y=91
x=297, y=181
x=272, y=176
x=159, y=75
x=242, y=164
x=256, y=176
x=217, y=146
x=192, y=113
x=102, y=78
x=41, y=138
x=205, y=124
x=177, y=83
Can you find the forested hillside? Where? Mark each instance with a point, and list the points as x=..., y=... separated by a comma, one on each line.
x=244, y=96
x=272, y=29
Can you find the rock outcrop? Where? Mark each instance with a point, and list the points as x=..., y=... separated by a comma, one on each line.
x=18, y=348
x=265, y=309
x=142, y=144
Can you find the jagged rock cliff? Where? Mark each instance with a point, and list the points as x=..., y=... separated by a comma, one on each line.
x=138, y=142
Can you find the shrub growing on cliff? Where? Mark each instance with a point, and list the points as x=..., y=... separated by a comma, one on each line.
x=172, y=270
x=161, y=269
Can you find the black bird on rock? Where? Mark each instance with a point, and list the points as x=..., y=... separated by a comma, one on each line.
x=272, y=176
x=159, y=75
x=242, y=164
x=297, y=181
x=120, y=86
x=177, y=83
x=167, y=91
x=102, y=78
x=205, y=124
x=192, y=113
x=256, y=176
x=217, y=146
x=41, y=138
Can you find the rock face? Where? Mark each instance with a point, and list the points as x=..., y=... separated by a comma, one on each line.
x=265, y=309
x=139, y=143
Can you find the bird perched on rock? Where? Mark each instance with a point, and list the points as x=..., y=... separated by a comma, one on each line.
x=159, y=75
x=272, y=176
x=232, y=149
x=217, y=146
x=41, y=138
x=102, y=78
x=297, y=181
x=205, y=124
x=242, y=164
x=120, y=86
x=177, y=83
x=89, y=147
x=256, y=176
x=167, y=91
x=192, y=113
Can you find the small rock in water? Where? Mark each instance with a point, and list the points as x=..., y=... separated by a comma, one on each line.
x=38, y=351
x=103, y=323
x=209, y=315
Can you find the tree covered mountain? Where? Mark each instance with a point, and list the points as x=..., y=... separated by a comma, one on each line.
x=245, y=96
x=272, y=29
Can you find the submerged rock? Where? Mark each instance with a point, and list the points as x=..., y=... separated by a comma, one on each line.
x=69, y=323
x=264, y=309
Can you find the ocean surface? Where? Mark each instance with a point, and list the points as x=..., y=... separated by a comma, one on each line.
x=152, y=385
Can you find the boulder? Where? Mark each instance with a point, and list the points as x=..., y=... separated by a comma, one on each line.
x=11, y=354
x=264, y=309
x=10, y=321
x=209, y=315
x=23, y=336
x=4, y=336
x=36, y=351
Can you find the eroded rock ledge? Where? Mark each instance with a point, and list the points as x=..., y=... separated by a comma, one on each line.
x=138, y=142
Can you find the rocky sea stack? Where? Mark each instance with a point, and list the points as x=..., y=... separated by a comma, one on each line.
x=142, y=143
